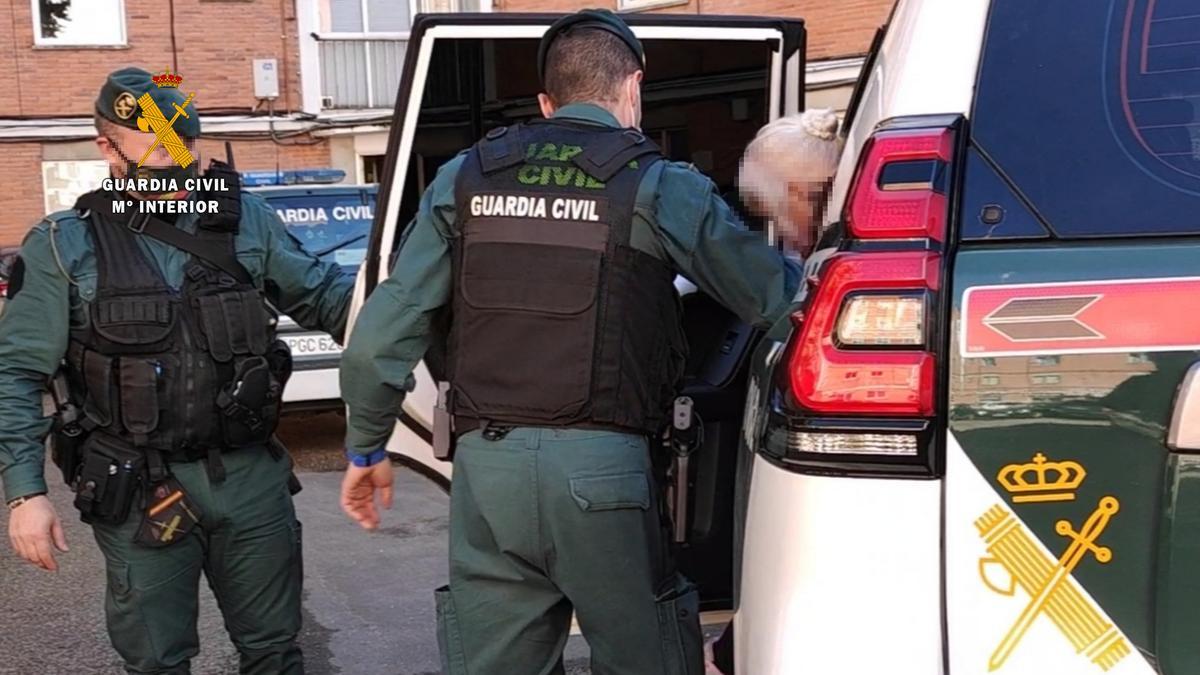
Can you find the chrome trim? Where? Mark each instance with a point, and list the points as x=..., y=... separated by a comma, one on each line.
x=1184, y=433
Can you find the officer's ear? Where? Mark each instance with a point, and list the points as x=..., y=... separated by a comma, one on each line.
x=633, y=94
x=547, y=105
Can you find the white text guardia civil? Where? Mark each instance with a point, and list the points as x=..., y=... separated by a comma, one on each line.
x=522, y=206
x=163, y=185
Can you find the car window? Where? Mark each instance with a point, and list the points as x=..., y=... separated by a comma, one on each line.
x=1092, y=112
x=333, y=227
x=864, y=75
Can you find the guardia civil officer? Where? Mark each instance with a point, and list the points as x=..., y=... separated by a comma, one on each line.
x=554, y=244
x=165, y=327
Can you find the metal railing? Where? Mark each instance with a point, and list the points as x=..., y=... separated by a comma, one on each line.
x=361, y=71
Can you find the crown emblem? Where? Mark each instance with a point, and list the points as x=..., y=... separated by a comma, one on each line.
x=167, y=79
x=1042, y=480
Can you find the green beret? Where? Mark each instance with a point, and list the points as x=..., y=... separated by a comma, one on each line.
x=600, y=19
x=118, y=101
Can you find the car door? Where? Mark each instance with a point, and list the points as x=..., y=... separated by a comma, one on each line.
x=1070, y=529
x=711, y=83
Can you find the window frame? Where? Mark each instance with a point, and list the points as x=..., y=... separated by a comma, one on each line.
x=40, y=41
x=100, y=165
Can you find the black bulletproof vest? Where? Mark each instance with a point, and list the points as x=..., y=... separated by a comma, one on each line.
x=556, y=319
x=187, y=372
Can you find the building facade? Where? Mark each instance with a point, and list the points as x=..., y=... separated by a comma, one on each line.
x=289, y=84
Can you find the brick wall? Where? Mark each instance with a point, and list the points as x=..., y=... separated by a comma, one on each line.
x=21, y=189
x=835, y=27
x=216, y=40
x=21, y=174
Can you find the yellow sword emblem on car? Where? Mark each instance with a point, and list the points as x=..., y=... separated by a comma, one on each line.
x=1048, y=583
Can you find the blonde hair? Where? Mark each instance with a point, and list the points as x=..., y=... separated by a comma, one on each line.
x=791, y=149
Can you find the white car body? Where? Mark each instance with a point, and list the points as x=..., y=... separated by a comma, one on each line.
x=877, y=577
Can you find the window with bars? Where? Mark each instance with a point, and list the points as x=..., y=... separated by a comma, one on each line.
x=1046, y=379
x=78, y=22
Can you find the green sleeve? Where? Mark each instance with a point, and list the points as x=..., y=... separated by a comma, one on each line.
x=314, y=293
x=391, y=334
x=33, y=340
x=711, y=247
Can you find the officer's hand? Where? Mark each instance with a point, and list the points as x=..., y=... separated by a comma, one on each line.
x=32, y=527
x=358, y=492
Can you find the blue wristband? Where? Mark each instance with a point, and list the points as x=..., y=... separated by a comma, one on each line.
x=366, y=460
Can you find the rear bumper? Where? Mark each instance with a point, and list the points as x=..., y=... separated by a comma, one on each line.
x=840, y=576
x=313, y=388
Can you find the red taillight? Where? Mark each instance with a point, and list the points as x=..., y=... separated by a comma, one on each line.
x=907, y=204
x=830, y=377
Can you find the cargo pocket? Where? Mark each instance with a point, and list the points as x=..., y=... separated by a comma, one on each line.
x=531, y=309
x=606, y=493
x=679, y=633
x=454, y=658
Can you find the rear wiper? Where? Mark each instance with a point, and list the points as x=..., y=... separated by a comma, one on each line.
x=342, y=244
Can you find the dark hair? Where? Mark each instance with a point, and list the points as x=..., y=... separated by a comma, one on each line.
x=587, y=65
x=104, y=126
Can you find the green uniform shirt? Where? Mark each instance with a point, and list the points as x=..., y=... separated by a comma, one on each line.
x=60, y=282
x=680, y=218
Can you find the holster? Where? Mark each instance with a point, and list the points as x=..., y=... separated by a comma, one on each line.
x=444, y=437
x=66, y=449
x=67, y=431
x=250, y=404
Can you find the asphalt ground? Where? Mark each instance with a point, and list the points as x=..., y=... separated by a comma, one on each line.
x=368, y=597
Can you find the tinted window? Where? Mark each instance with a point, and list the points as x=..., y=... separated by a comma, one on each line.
x=1092, y=110
x=333, y=227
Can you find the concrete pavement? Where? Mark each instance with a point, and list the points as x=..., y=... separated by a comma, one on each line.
x=368, y=605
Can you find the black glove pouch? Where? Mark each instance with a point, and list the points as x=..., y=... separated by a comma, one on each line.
x=111, y=476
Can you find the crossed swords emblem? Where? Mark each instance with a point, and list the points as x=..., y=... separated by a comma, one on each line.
x=1048, y=582
x=152, y=119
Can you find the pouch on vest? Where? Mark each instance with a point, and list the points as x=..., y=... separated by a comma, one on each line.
x=101, y=396
x=139, y=397
x=506, y=272
x=144, y=322
x=234, y=323
x=110, y=477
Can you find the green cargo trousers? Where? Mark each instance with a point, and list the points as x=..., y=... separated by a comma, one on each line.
x=247, y=545
x=549, y=521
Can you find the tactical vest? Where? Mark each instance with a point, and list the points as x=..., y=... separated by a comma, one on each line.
x=186, y=372
x=557, y=320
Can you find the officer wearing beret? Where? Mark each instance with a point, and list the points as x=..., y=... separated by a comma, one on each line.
x=554, y=245
x=169, y=391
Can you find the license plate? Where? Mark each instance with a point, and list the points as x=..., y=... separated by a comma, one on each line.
x=310, y=346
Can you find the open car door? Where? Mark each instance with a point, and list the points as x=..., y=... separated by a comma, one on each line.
x=712, y=82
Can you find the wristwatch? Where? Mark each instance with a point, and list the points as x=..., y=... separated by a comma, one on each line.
x=12, y=504
x=364, y=461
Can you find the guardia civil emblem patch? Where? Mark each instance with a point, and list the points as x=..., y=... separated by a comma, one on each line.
x=125, y=105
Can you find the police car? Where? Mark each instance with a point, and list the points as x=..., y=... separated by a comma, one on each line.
x=965, y=453
x=974, y=448
x=333, y=223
